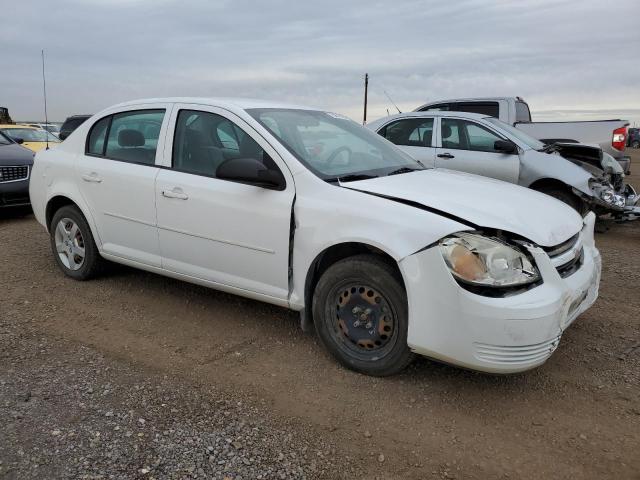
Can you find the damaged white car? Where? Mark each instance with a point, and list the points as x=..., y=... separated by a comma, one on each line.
x=580, y=175
x=309, y=210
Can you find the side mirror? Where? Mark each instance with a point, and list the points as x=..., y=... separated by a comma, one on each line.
x=19, y=141
x=252, y=172
x=505, y=146
x=62, y=136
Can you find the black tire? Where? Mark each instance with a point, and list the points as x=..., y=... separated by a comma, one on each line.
x=367, y=282
x=635, y=144
x=92, y=263
x=569, y=198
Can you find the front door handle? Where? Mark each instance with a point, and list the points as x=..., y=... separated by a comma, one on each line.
x=445, y=155
x=175, y=192
x=91, y=177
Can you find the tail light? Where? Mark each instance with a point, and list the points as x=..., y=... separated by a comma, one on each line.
x=619, y=139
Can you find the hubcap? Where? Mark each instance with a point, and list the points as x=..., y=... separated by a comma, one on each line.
x=364, y=318
x=69, y=244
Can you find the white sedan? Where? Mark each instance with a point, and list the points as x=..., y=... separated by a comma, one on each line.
x=307, y=209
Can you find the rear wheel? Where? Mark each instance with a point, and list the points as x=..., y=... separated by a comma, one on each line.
x=72, y=244
x=635, y=144
x=361, y=316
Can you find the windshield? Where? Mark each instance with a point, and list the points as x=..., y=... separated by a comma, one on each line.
x=332, y=146
x=519, y=134
x=4, y=140
x=30, y=134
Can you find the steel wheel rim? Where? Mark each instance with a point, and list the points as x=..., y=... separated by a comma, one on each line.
x=364, y=321
x=69, y=244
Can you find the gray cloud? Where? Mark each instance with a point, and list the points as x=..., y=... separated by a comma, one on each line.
x=562, y=56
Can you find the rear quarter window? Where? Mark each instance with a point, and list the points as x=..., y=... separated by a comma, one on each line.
x=522, y=112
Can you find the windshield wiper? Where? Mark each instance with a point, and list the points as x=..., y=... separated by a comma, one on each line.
x=403, y=170
x=350, y=178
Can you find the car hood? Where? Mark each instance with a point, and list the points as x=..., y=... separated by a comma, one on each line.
x=481, y=202
x=37, y=146
x=14, y=154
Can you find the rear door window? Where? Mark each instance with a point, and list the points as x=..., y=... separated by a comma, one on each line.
x=414, y=132
x=133, y=136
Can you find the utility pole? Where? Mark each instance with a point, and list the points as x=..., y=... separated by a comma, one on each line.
x=366, y=88
x=44, y=91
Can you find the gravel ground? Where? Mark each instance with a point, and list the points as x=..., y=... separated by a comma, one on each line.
x=68, y=412
x=134, y=375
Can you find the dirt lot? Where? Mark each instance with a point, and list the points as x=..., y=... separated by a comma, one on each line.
x=136, y=375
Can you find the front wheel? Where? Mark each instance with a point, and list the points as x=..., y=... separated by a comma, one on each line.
x=570, y=199
x=361, y=315
x=73, y=246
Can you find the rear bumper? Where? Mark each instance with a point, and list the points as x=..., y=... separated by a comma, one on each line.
x=14, y=194
x=496, y=335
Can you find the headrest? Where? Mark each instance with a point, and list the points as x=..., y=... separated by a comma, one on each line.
x=446, y=131
x=130, y=138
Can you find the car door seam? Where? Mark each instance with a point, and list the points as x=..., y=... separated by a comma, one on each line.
x=218, y=240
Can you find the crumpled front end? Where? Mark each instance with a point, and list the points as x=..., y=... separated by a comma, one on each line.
x=509, y=334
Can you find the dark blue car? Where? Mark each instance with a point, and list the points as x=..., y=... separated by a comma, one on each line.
x=15, y=169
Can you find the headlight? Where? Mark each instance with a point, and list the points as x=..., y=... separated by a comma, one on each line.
x=485, y=261
x=619, y=201
x=608, y=195
x=602, y=191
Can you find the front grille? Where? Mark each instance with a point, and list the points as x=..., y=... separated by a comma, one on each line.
x=514, y=355
x=568, y=256
x=563, y=247
x=571, y=266
x=14, y=173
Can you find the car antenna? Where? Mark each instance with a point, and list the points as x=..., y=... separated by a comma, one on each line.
x=366, y=88
x=44, y=90
x=394, y=104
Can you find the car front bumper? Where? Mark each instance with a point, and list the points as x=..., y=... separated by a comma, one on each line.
x=496, y=335
x=14, y=194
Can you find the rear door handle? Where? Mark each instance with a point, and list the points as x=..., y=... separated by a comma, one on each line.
x=175, y=192
x=445, y=155
x=91, y=177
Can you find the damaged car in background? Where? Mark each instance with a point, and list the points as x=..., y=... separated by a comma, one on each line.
x=308, y=210
x=582, y=176
x=610, y=135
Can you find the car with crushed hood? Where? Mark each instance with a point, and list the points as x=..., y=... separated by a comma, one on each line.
x=308, y=210
x=582, y=176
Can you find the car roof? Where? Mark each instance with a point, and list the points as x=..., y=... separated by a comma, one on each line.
x=431, y=113
x=228, y=102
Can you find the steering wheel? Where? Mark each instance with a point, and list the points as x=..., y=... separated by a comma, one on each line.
x=338, y=151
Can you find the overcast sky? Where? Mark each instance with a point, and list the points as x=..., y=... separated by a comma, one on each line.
x=568, y=59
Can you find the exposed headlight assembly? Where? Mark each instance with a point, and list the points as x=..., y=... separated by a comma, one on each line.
x=602, y=191
x=487, y=262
